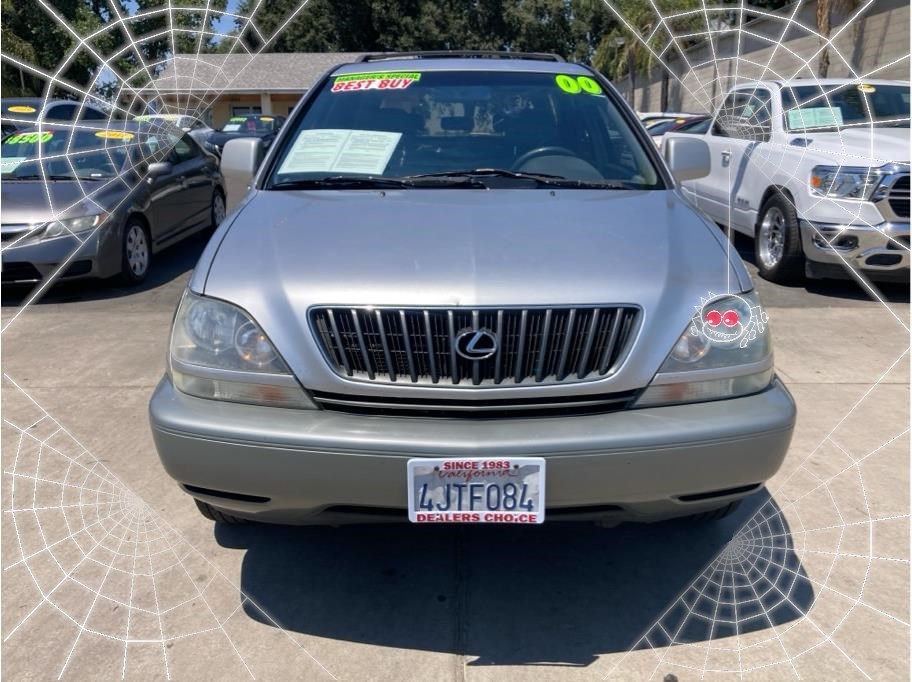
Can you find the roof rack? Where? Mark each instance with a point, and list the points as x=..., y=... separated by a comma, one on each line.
x=460, y=54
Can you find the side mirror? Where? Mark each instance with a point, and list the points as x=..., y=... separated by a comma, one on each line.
x=687, y=157
x=240, y=159
x=156, y=170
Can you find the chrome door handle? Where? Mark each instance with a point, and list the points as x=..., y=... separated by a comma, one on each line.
x=726, y=157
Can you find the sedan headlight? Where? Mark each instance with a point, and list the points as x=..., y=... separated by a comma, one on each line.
x=725, y=352
x=845, y=182
x=219, y=352
x=59, y=228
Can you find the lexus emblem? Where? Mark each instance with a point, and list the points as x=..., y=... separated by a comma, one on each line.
x=476, y=344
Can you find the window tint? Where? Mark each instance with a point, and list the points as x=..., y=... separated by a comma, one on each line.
x=745, y=115
x=184, y=149
x=93, y=115
x=61, y=112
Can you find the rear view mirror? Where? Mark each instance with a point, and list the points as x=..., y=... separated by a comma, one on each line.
x=240, y=159
x=688, y=158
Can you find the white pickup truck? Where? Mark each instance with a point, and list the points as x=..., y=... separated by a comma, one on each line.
x=817, y=172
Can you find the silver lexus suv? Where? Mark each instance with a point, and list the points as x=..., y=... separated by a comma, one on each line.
x=464, y=288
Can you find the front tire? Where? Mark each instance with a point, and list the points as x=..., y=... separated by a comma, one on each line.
x=136, y=253
x=217, y=212
x=777, y=242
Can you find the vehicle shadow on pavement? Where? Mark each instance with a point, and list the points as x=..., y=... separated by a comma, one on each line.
x=554, y=594
x=166, y=266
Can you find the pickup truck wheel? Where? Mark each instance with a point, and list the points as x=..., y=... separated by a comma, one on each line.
x=777, y=242
x=216, y=515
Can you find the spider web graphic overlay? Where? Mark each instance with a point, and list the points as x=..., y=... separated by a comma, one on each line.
x=787, y=593
x=761, y=558
x=139, y=88
x=770, y=159
x=108, y=577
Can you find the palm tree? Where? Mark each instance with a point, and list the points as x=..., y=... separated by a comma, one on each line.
x=825, y=11
x=626, y=51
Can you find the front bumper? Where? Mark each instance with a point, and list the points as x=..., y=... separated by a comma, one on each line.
x=312, y=466
x=875, y=250
x=35, y=260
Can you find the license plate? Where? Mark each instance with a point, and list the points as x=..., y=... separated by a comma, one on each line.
x=476, y=490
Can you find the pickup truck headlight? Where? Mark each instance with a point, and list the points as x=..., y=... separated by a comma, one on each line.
x=219, y=352
x=58, y=228
x=845, y=182
x=725, y=352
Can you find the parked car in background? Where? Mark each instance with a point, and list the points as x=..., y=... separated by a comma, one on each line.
x=461, y=288
x=111, y=195
x=691, y=124
x=817, y=172
x=24, y=112
x=252, y=125
x=196, y=128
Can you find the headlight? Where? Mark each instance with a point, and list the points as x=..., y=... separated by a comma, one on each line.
x=844, y=182
x=725, y=352
x=218, y=352
x=58, y=228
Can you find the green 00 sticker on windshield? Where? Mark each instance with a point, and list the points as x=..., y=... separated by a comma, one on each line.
x=574, y=85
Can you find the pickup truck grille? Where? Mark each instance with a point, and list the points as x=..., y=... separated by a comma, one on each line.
x=418, y=346
x=899, y=197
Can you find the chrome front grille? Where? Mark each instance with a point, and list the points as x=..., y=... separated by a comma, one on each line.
x=898, y=197
x=534, y=345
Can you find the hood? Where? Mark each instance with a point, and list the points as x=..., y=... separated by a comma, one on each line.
x=31, y=202
x=859, y=146
x=287, y=251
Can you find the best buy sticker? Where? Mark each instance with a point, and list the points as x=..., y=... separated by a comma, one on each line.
x=114, y=135
x=868, y=89
x=29, y=138
x=22, y=109
x=375, y=81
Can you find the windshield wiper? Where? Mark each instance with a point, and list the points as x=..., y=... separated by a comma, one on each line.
x=374, y=182
x=341, y=182
x=45, y=177
x=546, y=179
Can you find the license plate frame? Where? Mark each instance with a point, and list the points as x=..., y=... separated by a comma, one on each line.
x=427, y=479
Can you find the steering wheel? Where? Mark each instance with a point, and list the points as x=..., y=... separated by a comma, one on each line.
x=541, y=151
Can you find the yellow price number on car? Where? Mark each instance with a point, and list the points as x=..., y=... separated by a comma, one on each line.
x=574, y=85
x=113, y=135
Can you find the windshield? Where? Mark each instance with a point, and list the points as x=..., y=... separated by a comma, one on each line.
x=403, y=125
x=249, y=124
x=810, y=106
x=83, y=154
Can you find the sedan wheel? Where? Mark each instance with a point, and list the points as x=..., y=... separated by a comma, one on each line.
x=137, y=254
x=218, y=209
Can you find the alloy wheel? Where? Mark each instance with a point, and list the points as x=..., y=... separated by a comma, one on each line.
x=772, y=237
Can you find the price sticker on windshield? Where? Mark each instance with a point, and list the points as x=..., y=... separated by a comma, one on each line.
x=574, y=85
x=374, y=81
